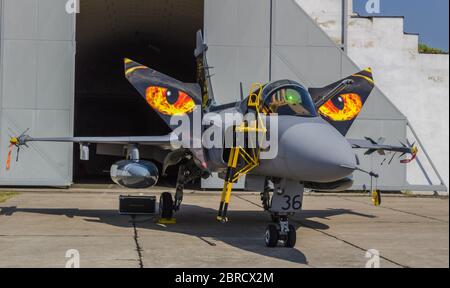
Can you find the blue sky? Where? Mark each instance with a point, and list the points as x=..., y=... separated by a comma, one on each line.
x=429, y=18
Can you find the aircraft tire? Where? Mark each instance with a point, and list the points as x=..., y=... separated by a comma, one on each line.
x=166, y=206
x=291, y=238
x=272, y=236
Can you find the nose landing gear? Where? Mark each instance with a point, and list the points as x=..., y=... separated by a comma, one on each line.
x=286, y=200
x=282, y=232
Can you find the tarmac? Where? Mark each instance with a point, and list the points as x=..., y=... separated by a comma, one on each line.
x=37, y=229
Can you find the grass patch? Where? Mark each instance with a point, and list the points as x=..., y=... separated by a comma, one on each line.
x=425, y=49
x=4, y=196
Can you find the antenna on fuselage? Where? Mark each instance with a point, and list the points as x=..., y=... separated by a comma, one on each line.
x=241, y=86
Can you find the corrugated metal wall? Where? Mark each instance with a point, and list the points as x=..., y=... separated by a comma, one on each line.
x=37, y=88
x=255, y=40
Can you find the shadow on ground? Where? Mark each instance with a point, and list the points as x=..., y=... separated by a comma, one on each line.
x=244, y=231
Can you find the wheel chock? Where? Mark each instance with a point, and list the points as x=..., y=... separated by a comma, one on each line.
x=166, y=221
x=222, y=220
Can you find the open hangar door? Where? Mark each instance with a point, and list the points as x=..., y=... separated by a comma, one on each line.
x=157, y=33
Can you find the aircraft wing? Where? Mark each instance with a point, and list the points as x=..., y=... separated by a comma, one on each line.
x=159, y=141
x=163, y=142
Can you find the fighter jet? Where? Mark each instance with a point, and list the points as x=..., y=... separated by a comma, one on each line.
x=312, y=151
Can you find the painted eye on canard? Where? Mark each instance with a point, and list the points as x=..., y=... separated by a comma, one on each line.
x=345, y=107
x=169, y=102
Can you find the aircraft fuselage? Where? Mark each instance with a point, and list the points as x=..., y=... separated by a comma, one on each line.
x=309, y=150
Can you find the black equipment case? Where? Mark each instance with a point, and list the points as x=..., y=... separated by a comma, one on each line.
x=137, y=205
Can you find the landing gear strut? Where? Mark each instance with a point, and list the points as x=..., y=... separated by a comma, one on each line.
x=187, y=172
x=265, y=196
x=181, y=180
x=167, y=204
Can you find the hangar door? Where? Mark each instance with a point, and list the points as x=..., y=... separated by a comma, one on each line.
x=36, y=88
x=62, y=75
x=157, y=33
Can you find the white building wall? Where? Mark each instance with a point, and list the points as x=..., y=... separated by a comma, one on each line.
x=418, y=84
x=326, y=13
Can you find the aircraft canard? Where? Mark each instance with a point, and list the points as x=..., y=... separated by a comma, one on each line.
x=166, y=95
x=346, y=102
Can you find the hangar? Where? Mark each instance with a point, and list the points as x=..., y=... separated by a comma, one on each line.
x=61, y=74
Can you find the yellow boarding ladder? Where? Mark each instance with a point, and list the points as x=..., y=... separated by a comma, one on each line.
x=249, y=157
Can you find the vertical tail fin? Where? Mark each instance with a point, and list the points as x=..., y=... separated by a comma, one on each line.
x=203, y=75
x=346, y=100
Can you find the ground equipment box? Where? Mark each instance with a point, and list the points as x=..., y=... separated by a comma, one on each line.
x=137, y=205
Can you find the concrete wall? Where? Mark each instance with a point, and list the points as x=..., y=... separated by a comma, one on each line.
x=36, y=88
x=417, y=84
x=327, y=14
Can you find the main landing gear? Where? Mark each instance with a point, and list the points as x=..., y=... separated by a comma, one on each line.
x=168, y=205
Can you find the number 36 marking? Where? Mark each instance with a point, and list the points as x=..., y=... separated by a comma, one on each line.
x=294, y=203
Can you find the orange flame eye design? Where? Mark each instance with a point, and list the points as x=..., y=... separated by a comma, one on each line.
x=157, y=98
x=343, y=108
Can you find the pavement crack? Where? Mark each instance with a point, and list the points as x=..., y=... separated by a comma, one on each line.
x=248, y=201
x=347, y=242
x=138, y=246
x=400, y=211
x=210, y=243
x=330, y=235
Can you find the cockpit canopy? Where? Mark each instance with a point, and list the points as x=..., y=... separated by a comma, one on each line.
x=288, y=98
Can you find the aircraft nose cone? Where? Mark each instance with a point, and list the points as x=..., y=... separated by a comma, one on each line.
x=316, y=152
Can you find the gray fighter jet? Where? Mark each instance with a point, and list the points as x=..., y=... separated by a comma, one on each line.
x=312, y=150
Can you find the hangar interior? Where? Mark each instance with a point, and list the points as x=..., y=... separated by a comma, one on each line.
x=157, y=33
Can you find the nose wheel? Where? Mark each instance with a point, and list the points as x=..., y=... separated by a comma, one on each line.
x=272, y=236
x=291, y=237
x=282, y=232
